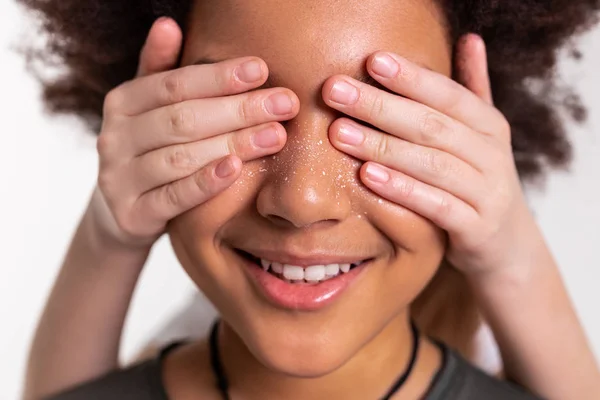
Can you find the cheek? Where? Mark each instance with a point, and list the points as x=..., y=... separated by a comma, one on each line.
x=419, y=248
x=407, y=230
x=191, y=235
x=196, y=235
x=196, y=241
x=190, y=242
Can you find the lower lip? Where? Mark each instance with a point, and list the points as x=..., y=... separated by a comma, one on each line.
x=302, y=296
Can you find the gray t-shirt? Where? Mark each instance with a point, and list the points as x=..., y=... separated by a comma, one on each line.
x=455, y=380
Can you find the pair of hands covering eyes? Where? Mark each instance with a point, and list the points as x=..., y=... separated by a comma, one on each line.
x=171, y=141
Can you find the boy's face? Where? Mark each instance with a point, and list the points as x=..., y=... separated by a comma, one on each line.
x=308, y=198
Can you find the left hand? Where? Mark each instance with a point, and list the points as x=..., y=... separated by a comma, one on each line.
x=443, y=151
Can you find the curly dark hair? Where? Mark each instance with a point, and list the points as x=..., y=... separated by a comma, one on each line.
x=98, y=41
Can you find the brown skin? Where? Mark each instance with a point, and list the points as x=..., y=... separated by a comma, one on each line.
x=308, y=198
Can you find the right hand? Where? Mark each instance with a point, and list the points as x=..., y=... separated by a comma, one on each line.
x=174, y=139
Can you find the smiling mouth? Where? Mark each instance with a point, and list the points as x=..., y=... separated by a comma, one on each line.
x=295, y=274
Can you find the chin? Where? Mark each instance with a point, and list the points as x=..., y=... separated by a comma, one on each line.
x=312, y=359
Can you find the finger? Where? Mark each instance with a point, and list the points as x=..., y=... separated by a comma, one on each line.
x=472, y=67
x=409, y=120
x=176, y=162
x=161, y=50
x=187, y=83
x=440, y=207
x=194, y=120
x=434, y=90
x=168, y=201
x=430, y=166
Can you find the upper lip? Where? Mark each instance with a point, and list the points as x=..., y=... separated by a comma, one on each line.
x=315, y=257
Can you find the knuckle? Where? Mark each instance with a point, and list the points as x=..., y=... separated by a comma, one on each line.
x=179, y=157
x=431, y=127
x=405, y=188
x=224, y=78
x=249, y=109
x=376, y=108
x=435, y=163
x=410, y=74
x=105, y=143
x=173, y=87
x=443, y=207
x=113, y=101
x=203, y=182
x=383, y=150
x=182, y=120
x=233, y=144
x=171, y=195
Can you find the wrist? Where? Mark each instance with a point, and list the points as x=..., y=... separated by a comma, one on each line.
x=527, y=272
x=524, y=256
x=505, y=282
x=105, y=246
x=105, y=233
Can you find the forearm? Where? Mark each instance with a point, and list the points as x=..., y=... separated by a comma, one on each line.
x=543, y=345
x=78, y=335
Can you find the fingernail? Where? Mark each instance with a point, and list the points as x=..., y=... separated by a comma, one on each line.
x=376, y=173
x=350, y=135
x=249, y=72
x=385, y=66
x=225, y=169
x=266, y=138
x=166, y=21
x=344, y=93
x=279, y=104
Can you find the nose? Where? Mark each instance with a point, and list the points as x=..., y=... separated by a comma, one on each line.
x=309, y=179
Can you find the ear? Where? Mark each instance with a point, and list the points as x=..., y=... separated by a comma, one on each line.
x=161, y=50
x=472, y=66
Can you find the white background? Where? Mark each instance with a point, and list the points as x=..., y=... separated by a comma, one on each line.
x=48, y=167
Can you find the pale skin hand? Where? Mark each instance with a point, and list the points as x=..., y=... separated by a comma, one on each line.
x=170, y=141
x=445, y=154
x=444, y=151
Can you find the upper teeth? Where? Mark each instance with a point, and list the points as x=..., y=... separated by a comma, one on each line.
x=313, y=273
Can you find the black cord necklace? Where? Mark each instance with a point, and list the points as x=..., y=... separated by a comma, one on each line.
x=223, y=384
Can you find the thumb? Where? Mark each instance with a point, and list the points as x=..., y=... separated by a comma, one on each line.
x=472, y=66
x=161, y=50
